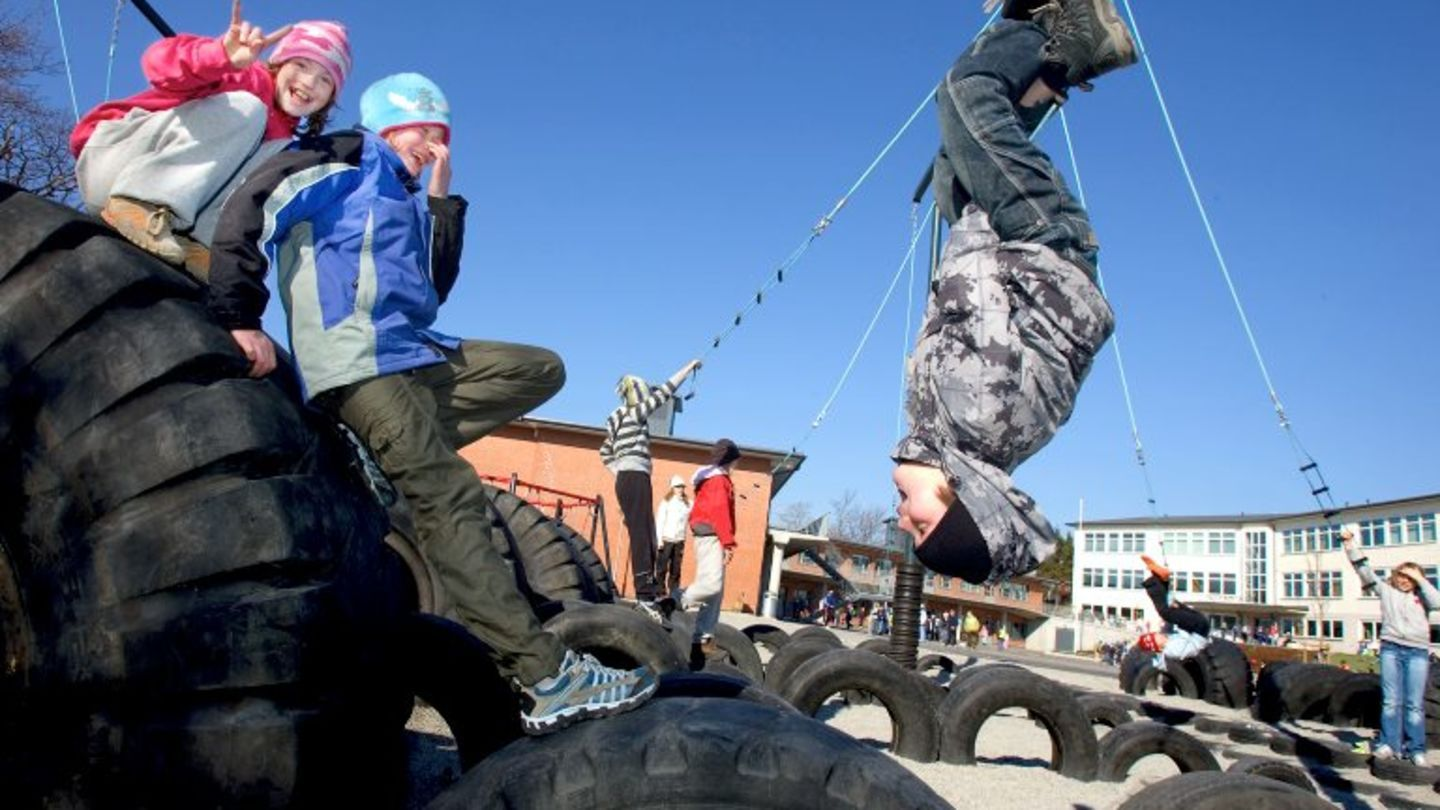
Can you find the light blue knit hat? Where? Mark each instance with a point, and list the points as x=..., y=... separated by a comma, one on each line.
x=404, y=100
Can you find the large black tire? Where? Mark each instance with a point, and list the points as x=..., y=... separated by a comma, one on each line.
x=1138, y=675
x=1355, y=701
x=602, y=587
x=815, y=631
x=1104, y=710
x=692, y=753
x=717, y=685
x=1073, y=748
x=547, y=552
x=1280, y=770
x=735, y=649
x=1126, y=744
x=193, y=591
x=790, y=657
x=1324, y=753
x=449, y=668
x=1226, y=672
x=1401, y=771
x=768, y=636
x=617, y=635
x=908, y=697
x=1296, y=692
x=1223, y=791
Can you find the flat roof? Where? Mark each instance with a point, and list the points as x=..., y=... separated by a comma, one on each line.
x=1244, y=519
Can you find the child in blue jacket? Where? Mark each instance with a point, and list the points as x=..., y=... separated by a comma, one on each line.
x=363, y=261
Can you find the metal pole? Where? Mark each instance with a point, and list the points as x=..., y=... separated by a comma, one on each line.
x=154, y=17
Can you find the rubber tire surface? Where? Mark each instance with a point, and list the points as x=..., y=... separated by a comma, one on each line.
x=1402, y=772
x=814, y=631
x=1126, y=744
x=736, y=648
x=139, y=529
x=1074, y=752
x=1223, y=791
x=546, y=551
x=716, y=685
x=790, y=657
x=1227, y=679
x=618, y=635
x=1138, y=674
x=692, y=752
x=1104, y=710
x=909, y=698
x=1298, y=691
x=769, y=636
x=1356, y=702
x=1280, y=770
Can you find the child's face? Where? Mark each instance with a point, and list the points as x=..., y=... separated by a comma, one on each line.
x=303, y=87
x=413, y=145
x=920, y=506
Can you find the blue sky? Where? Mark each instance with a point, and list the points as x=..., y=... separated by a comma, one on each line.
x=637, y=169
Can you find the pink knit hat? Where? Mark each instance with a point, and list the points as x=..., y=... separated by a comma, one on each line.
x=321, y=40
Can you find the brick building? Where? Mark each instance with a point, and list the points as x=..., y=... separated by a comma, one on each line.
x=565, y=456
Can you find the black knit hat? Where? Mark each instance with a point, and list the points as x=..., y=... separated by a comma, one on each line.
x=724, y=452
x=956, y=547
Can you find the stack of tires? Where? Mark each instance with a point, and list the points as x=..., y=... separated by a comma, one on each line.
x=1301, y=691
x=193, y=592
x=1220, y=674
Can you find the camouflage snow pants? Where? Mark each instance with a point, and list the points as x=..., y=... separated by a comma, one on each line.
x=1009, y=334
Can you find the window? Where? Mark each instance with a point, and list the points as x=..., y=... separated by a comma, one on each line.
x=1227, y=584
x=1328, y=585
x=1179, y=581
x=1324, y=629
x=1372, y=532
x=1369, y=630
x=945, y=582
x=1113, y=577
x=1294, y=585
x=860, y=562
x=1215, y=586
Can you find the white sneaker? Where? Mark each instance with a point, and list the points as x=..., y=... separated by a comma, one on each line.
x=1418, y=760
x=1382, y=751
x=583, y=688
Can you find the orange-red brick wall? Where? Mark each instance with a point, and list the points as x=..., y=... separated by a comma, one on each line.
x=568, y=459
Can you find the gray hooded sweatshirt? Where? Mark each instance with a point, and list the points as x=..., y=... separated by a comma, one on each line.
x=1404, y=617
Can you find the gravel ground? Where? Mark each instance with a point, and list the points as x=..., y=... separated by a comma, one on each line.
x=1014, y=754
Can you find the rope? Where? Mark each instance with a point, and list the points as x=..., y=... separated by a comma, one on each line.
x=114, y=38
x=1115, y=338
x=65, y=54
x=865, y=338
x=1308, y=466
x=819, y=228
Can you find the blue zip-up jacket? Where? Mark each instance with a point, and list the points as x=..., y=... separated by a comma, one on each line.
x=363, y=259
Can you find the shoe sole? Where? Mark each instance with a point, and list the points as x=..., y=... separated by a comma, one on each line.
x=180, y=262
x=1118, y=32
x=575, y=714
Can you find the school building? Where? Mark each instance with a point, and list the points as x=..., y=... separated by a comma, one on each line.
x=800, y=582
x=564, y=459
x=1257, y=571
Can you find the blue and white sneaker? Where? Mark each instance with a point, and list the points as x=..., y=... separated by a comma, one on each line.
x=582, y=689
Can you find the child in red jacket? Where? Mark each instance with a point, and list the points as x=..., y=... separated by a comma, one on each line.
x=157, y=166
x=712, y=521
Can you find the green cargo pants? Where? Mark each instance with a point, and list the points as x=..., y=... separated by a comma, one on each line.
x=415, y=422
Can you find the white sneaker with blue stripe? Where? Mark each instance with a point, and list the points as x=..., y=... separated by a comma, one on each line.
x=583, y=688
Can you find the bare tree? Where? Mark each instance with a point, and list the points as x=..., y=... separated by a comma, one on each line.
x=34, y=137
x=852, y=520
x=793, y=515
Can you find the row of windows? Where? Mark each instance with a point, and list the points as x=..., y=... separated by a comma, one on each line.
x=1094, y=613
x=1117, y=542
x=1432, y=573
x=1123, y=579
x=1310, y=538
x=1313, y=585
x=1214, y=543
x=1398, y=530
x=1197, y=582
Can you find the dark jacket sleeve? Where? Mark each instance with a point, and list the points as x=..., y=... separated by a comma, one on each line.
x=286, y=189
x=446, y=242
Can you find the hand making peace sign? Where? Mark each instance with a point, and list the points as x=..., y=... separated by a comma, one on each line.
x=245, y=42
